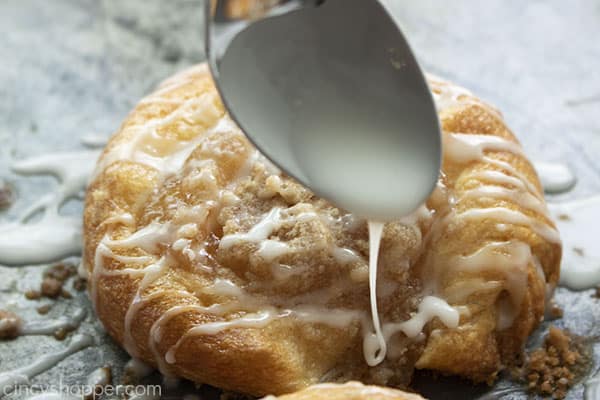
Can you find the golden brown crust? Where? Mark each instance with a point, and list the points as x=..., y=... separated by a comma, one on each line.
x=152, y=318
x=478, y=350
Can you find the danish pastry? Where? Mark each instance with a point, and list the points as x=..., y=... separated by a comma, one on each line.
x=207, y=262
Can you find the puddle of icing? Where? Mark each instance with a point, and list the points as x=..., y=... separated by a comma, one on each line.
x=50, y=326
x=579, y=224
x=21, y=376
x=54, y=236
x=555, y=177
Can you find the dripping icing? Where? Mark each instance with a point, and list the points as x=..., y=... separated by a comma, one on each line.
x=374, y=355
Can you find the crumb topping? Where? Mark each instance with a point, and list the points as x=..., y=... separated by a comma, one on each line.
x=554, y=368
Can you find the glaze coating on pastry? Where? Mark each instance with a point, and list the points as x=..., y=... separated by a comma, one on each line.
x=209, y=263
x=347, y=391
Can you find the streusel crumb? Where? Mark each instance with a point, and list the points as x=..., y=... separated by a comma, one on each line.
x=554, y=368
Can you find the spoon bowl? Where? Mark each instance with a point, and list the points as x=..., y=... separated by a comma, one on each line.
x=331, y=92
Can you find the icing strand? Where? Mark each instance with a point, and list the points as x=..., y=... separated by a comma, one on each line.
x=373, y=355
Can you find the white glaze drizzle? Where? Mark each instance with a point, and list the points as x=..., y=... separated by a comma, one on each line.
x=514, y=217
x=260, y=233
x=430, y=307
x=463, y=148
x=374, y=356
x=163, y=153
x=515, y=258
x=20, y=376
x=505, y=183
x=522, y=198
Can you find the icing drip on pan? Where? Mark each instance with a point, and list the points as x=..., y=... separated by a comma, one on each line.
x=578, y=222
x=555, y=178
x=20, y=376
x=51, y=326
x=54, y=236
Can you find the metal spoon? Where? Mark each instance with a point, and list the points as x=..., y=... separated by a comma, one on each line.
x=331, y=92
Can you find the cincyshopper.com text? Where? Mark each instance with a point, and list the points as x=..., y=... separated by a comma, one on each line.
x=83, y=391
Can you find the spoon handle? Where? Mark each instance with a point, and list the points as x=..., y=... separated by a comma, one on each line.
x=225, y=18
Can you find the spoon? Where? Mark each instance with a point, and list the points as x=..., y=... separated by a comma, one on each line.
x=330, y=92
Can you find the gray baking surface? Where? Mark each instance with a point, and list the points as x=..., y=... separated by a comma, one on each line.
x=73, y=67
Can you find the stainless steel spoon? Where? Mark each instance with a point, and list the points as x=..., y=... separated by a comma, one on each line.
x=331, y=92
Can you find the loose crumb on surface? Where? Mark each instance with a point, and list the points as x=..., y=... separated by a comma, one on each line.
x=556, y=366
x=33, y=294
x=43, y=310
x=97, y=381
x=79, y=284
x=61, y=333
x=10, y=325
x=555, y=311
x=579, y=251
x=61, y=271
x=564, y=217
x=54, y=279
x=51, y=288
x=7, y=194
x=53, y=282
